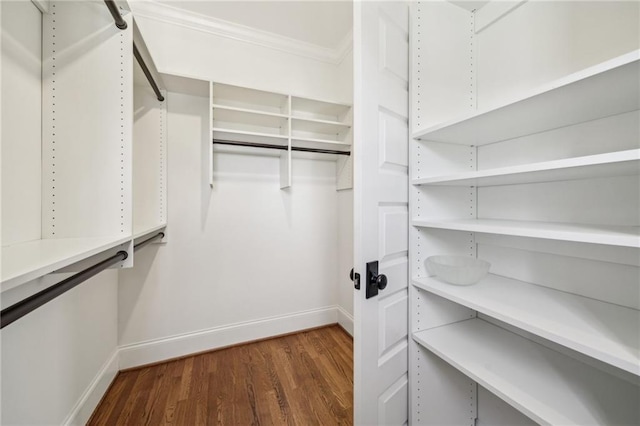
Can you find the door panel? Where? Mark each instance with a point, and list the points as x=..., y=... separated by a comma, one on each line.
x=381, y=52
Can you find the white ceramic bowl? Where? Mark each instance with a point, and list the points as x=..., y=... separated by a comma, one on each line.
x=457, y=270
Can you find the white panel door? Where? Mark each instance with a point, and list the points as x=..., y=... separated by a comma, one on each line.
x=381, y=52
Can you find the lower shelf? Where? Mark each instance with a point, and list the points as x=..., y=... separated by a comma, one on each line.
x=548, y=387
x=607, y=332
x=27, y=261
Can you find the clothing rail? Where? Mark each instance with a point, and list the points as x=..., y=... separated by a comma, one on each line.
x=122, y=24
x=147, y=73
x=33, y=302
x=113, y=8
x=147, y=241
x=281, y=147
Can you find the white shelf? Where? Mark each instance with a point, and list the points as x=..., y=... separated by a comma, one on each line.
x=243, y=120
x=603, y=90
x=620, y=163
x=143, y=232
x=245, y=98
x=246, y=136
x=248, y=110
x=624, y=236
x=548, y=387
x=27, y=261
x=320, y=144
x=319, y=110
x=604, y=331
x=319, y=126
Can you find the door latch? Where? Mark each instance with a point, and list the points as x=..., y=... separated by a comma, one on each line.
x=355, y=277
x=375, y=282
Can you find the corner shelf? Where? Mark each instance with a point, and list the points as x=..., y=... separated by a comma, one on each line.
x=546, y=386
x=27, y=261
x=604, y=331
x=623, y=236
x=611, y=164
x=607, y=89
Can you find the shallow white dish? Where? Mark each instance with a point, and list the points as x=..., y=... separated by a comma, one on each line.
x=458, y=270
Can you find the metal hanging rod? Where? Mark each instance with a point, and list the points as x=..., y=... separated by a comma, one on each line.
x=122, y=25
x=147, y=241
x=280, y=147
x=147, y=73
x=113, y=8
x=33, y=302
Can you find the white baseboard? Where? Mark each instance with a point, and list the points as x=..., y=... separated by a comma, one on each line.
x=152, y=351
x=134, y=355
x=345, y=319
x=89, y=400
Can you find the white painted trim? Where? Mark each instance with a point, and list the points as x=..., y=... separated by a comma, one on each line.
x=199, y=22
x=345, y=319
x=90, y=398
x=152, y=351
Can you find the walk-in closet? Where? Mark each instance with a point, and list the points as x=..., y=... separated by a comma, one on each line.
x=320, y=212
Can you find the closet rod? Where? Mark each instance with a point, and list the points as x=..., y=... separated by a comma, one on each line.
x=113, y=8
x=122, y=25
x=147, y=73
x=281, y=147
x=33, y=302
x=147, y=241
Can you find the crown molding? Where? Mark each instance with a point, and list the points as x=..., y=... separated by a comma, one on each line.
x=199, y=22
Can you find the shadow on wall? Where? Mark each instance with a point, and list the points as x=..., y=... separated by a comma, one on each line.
x=132, y=282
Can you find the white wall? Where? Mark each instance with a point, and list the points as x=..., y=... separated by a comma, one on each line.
x=191, y=53
x=21, y=138
x=53, y=358
x=243, y=251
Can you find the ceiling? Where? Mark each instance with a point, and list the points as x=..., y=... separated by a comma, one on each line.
x=322, y=23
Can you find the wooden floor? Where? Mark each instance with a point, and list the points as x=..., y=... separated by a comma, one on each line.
x=300, y=379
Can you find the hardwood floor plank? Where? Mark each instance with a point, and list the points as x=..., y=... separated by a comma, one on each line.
x=299, y=379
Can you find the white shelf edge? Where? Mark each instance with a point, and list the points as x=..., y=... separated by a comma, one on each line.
x=144, y=232
x=90, y=247
x=242, y=132
x=322, y=101
x=323, y=141
x=607, y=235
x=328, y=122
x=249, y=111
x=626, y=59
x=569, y=164
x=525, y=374
x=600, y=348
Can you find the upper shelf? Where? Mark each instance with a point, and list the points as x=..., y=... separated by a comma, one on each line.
x=243, y=120
x=604, y=331
x=623, y=236
x=250, y=99
x=319, y=110
x=548, y=387
x=27, y=261
x=620, y=163
x=603, y=90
